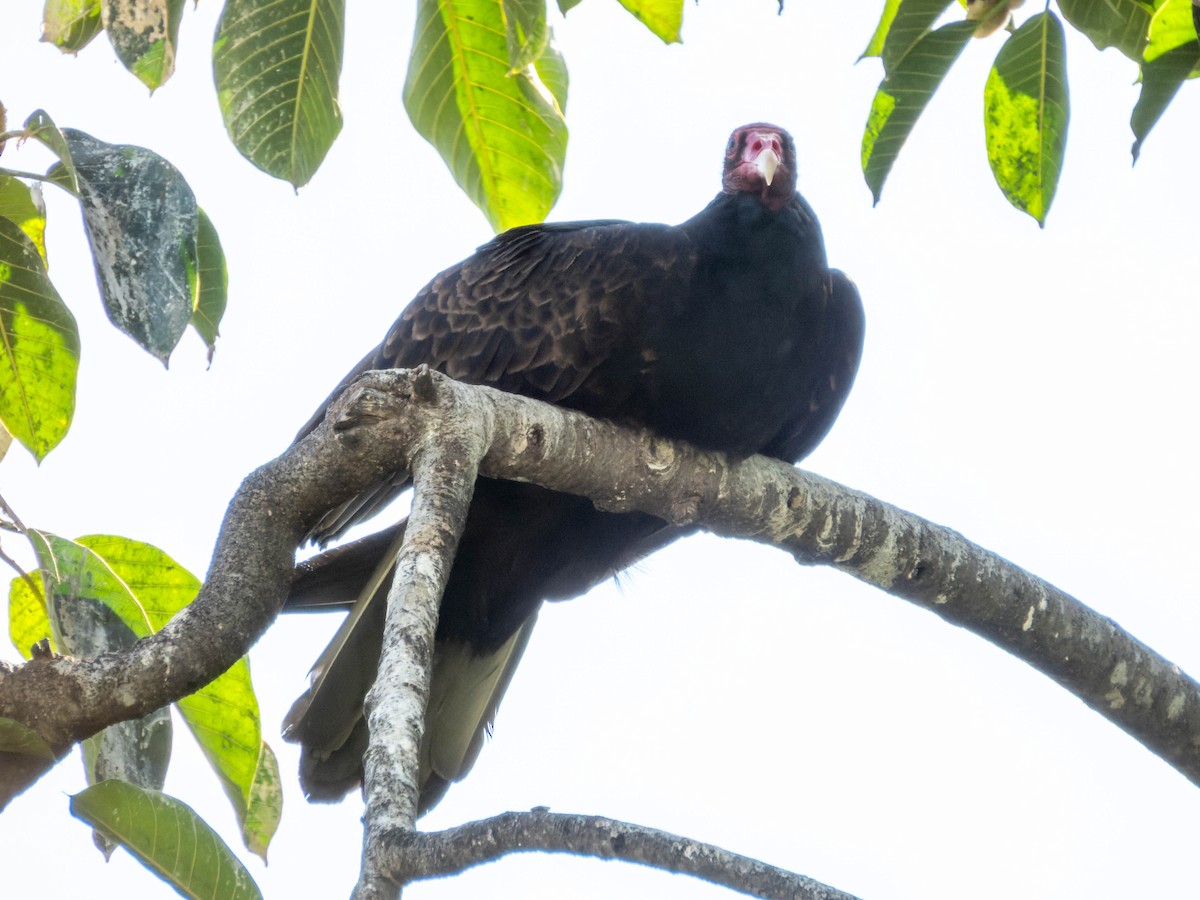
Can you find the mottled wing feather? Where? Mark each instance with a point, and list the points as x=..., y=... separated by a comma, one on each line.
x=532, y=312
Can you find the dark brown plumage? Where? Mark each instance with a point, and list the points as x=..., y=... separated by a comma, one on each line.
x=728, y=331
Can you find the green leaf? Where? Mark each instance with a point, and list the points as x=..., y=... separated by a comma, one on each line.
x=212, y=284
x=223, y=715
x=141, y=221
x=912, y=22
x=1172, y=26
x=276, y=65
x=903, y=95
x=168, y=838
x=39, y=348
x=663, y=17
x=1161, y=80
x=5, y=441
x=526, y=30
x=71, y=571
x=224, y=718
x=70, y=25
x=22, y=205
x=41, y=128
x=28, y=622
x=1111, y=23
x=161, y=586
x=144, y=34
x=1026, y=111
x=552, y=70
x=503, y=136
x=875, y=46
x=266, y=804
x=18, y=738
x=565, y=5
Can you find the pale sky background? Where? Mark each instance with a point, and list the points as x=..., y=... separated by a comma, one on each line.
x=1028, y=388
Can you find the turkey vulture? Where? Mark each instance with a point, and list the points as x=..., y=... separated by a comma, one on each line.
x=729, y=331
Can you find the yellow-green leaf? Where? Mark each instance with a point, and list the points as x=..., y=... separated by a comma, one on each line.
x=502, y=135
x=663, y=17
x=22, y=204
x=28, y=622
x=277, y=65
x=875, y=45
x=1173, y=26
x=266, y=804
x=168, y=838
x=70, y=25
x=73, y=571
x=39, y=348
x=902, y=97
x=1026, y=111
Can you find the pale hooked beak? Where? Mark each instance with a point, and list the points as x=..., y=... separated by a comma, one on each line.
x=767, y=163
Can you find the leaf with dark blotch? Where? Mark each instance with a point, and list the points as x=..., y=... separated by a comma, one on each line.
x=1026, y=111
x=903, y=95
x=223, y=715
x=502, y=135
x=18, y=738
x=137, y=750
x=211, y=285
x=1111, y=23
x=84, y=596
x=70, y=25
x=22, y=204
x=39, y=348
x=1161, y=80
x=875, y=45
x=526, y=30
x=141, y=221
x=168, y=838
x=664, y=18
x=912, y=22
x=145, y=35
x=277, y=67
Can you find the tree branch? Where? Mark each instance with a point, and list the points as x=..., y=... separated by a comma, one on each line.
x=433, y=854
x=445, y=462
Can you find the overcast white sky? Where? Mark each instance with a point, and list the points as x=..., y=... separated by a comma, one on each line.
x=1032, y=389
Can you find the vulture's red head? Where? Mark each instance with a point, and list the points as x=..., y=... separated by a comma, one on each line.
x=760, y=159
